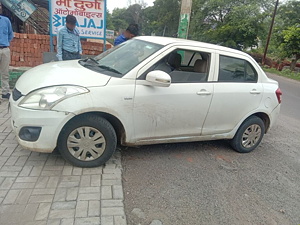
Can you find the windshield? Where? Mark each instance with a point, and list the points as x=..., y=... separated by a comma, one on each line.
x=121, y=59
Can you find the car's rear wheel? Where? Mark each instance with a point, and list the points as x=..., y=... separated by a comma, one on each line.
x=88, y=141
x=249, y=135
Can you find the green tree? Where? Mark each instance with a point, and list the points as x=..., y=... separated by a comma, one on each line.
x=285, y=42
x=290, y=44
x=134, y=14
x=162, y=18
x=233, y=23
x=122, y=17
x=289, y=13
x=149, y=23
x=109, y=23
x=119, y=19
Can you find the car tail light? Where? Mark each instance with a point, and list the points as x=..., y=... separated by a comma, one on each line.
x=278, y=95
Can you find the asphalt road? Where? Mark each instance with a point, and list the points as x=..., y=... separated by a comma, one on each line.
x=209, y=183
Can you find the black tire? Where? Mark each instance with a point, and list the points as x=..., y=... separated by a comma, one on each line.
x=237, y=141
x=96, y=124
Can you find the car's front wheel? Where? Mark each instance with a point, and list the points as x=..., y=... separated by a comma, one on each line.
x=249, y=135
x=88, y=141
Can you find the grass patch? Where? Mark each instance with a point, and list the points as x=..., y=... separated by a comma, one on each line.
x=13, y=77
x=15, y=74
x=285, y=73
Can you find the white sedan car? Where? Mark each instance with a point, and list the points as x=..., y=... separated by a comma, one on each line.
x=148, y=90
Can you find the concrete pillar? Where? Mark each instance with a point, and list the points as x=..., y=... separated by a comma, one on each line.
x=185, y=16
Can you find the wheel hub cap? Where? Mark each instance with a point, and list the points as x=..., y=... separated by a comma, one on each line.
x=251, y=136
x=86, y=143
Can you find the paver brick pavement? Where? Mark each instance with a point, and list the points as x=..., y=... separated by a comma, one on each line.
x=41, y=189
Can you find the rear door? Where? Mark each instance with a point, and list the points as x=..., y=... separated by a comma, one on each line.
x=237, y=91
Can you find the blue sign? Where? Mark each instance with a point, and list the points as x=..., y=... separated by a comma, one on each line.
x=90, y=15
x=21, y=8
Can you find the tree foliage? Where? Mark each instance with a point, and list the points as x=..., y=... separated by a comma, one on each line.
x=118, y=18
x=289, y=44
x=233, y=23
x=289, y=13
x=286, y=41
x=291, y=41
x=163, y=17
x=237, y=24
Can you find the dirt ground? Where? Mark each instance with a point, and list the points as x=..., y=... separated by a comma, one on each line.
x=209, y=183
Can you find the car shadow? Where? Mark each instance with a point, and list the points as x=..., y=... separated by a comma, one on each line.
x=143, y=152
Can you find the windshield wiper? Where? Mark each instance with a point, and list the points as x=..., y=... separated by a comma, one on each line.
x=87, y=59
x=109, y=69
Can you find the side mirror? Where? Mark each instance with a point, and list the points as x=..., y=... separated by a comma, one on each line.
x=158, y=78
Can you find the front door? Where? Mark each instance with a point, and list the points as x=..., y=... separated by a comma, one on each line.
x=176, y=111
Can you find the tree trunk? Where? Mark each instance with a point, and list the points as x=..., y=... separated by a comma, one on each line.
x=294, y=62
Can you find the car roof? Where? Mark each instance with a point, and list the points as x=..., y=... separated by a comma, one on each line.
x=173, y=41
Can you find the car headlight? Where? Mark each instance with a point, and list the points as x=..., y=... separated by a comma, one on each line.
x=47, y=98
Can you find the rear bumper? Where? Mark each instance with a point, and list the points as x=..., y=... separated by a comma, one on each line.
x=274, y=116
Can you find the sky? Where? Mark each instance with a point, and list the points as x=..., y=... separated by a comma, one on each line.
x=111, y=4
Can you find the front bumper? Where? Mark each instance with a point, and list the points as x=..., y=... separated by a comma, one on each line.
x=51, y=123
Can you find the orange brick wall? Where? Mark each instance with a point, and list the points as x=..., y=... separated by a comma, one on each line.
x=27, y=49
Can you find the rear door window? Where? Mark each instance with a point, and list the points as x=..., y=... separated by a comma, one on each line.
x=236, y=70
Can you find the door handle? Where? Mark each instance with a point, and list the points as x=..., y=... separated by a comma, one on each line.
x=203, y=92
x=255, y=92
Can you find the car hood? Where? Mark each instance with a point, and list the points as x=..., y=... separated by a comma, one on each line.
x=59, y=73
